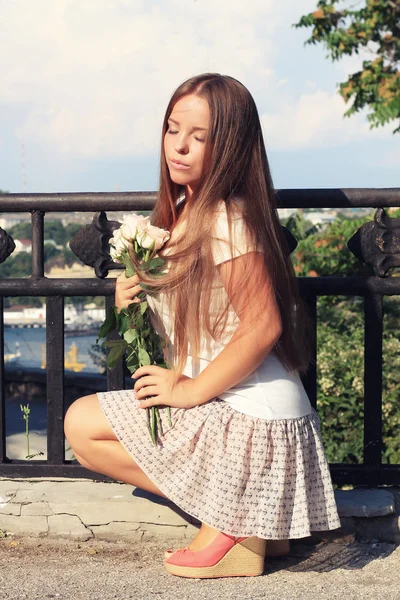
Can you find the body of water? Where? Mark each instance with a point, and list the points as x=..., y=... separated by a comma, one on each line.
x=30, y=343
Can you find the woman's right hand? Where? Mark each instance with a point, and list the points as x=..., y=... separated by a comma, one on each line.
x=126, y=290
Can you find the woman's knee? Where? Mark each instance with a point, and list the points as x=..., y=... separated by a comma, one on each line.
x=76, y=419
x=85, y=421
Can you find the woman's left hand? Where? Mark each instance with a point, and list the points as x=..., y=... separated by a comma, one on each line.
x=157, y=387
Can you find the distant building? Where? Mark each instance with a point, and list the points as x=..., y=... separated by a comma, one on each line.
x=285, y=213
x=321, y=217
x=8, y=220
x=23, y=246
x=20, y=315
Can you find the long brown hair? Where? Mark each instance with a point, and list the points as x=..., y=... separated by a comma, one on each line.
x=235, y=171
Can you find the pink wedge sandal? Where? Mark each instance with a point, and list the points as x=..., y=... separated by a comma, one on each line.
x=274, y=549
x=224, y=557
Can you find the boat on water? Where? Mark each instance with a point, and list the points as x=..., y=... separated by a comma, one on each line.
x=70, y=360
x=12, y=357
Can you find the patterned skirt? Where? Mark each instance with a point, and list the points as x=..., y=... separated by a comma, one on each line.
x=240, y=474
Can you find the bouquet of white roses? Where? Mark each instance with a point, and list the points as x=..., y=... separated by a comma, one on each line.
x=142, y=345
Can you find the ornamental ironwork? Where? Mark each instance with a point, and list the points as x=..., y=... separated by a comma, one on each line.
x=7, y=245
x=377, y=243
x=91, y=244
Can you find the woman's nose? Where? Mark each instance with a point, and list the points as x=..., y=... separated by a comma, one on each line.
x=181, y=145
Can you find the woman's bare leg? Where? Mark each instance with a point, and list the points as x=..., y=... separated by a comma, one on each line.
x=277, y=548
x=96, y=447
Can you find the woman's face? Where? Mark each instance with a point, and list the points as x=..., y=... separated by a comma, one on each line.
x=184, y=141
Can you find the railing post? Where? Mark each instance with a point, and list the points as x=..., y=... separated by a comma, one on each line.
x=115, y=377
x=310, y=377
x=37, y=244
x=55, y=379
x=2, y=388
x=373, y=312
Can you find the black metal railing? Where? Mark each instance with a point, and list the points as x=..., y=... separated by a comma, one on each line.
x=376, y=243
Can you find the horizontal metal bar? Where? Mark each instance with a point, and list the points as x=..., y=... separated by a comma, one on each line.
x=56, y=287
x=286, y=198
x=339, y=198
x=365, y=474
x=83, y=202
x=40, y=468
x=319, y=286
x=349, y=286
x=341, y=473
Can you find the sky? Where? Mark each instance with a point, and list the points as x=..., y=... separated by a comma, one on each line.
x=84, y=85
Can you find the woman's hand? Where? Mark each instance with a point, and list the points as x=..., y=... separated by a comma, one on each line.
x=157, y=387
x=126, y=290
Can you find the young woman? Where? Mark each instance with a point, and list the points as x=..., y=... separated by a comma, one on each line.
x=244, y=453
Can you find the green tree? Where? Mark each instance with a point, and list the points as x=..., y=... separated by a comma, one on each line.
x=21, y=231
x=54, y=230
x=374, y=26
x=68, y=256
x=16, y=266
x=340, y=342
x=299, y=227
x=50, y=252
x=324, y=253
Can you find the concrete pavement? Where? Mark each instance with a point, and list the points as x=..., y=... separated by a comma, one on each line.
x=39, y=569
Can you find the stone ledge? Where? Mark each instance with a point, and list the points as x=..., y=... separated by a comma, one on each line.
x=365, y=503
x=84, y=509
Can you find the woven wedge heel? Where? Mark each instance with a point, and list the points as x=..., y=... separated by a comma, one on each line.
x=224, y=557
x=274, y=549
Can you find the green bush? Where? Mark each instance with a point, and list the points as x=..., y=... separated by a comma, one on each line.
x=340, y=347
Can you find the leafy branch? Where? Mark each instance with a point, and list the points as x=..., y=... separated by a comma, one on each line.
x=375, y=27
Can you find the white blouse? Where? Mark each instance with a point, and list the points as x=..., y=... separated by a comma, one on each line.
x=270, y=392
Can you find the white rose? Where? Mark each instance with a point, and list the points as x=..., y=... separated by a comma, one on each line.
x=153, y=236
x=117, y=245
x=132, y=224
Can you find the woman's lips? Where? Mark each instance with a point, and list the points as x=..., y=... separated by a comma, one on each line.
x=178, y=165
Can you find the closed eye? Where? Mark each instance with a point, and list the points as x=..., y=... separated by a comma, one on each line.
x=171, y=132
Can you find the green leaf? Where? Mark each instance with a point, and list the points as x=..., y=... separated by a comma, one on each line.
x=139, y=321
x=132, y=362
x=124, y=323
x=143, y=307
x=130, y=335
x=108, y=325
x=130, y=271
x=115, y=344
x=115, y=356
x=156, y=263
x=144, y=358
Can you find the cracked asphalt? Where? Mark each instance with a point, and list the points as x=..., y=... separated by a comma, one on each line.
x=39, y=569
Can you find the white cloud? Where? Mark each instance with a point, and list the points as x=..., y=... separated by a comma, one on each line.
x=98, y=75
x=315, y=120
x=95, y=76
